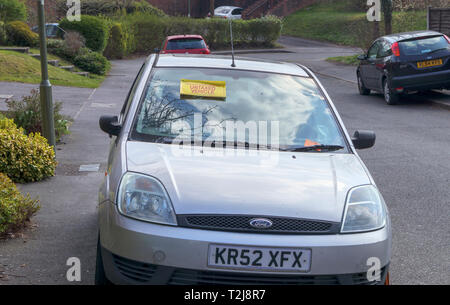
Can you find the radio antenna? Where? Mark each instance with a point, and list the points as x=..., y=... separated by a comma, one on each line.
x=232, y=45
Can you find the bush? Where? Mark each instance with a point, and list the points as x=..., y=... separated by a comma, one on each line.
x=93, y=62
x=12, y=10
x=25, y=158
x=117, y=43
x=15, y=209
x=93, y=29
x=18, y=33
x=27, y=115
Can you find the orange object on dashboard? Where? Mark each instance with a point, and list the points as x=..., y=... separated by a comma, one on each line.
x=308, y=142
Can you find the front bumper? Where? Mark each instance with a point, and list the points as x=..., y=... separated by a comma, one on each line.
x=423, y=81
x=136, y=252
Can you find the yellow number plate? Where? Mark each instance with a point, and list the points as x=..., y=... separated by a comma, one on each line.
x=203, y=88
x=429, y=63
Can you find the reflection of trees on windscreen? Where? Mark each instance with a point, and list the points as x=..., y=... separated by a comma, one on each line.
x=163, y=108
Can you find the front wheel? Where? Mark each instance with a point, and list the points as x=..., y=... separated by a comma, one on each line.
x=362, y=89
x=390, y=97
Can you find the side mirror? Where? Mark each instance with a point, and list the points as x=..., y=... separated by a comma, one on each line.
x=156, y=50
x=362, y=57
x=110, y=125
x=363, y=139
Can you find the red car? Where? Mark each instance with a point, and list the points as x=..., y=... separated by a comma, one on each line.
x=190, y=44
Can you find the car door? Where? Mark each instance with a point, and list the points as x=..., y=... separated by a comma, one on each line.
x=383, y=57
x=368, y=68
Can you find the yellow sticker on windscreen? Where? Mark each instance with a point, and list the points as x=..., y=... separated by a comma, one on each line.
x=203, y=89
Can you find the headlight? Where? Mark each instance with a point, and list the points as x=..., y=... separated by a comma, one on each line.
x=364, y=210
x=144, y=198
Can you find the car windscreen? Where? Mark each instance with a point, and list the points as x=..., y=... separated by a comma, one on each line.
x=186, y=44
x=262, y=110
x=423, y=46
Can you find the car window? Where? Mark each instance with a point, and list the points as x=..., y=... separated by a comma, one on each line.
x=224, y=11
x=186, y=44
x=423, y=45
x=237, y=11
x=384, y=50
x=129, y=99
x=373, y=51
x=287, y=109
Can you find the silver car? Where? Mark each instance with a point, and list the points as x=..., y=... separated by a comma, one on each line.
x=228, y=12
x=243, y=174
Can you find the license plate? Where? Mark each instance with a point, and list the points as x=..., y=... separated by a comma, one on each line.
x=429, y=63
x=259, y=258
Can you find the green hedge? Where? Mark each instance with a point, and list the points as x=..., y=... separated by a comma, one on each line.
x=94, y=29
x=19, y=34
x=142, y=33
x=117, y=43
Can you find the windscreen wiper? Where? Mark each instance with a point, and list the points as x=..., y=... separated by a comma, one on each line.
x=314, y=148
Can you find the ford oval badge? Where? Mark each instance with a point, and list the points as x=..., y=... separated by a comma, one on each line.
x=261, y=223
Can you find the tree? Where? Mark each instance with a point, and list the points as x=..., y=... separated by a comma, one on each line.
x=387, y=7
x=12, y=10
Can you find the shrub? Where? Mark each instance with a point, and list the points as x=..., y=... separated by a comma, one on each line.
x=93, y=29
x=25, y=158
x=15, y=209
x=12, y=10
x=117, y=43
x=18, y=33
x=27, y=115
x=93, y=62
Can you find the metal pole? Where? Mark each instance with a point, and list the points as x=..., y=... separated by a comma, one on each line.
x=189, y=12
x=48, y=128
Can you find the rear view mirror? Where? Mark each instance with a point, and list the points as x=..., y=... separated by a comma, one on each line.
x=362, y=57
x=110, y=125
x=363, y=139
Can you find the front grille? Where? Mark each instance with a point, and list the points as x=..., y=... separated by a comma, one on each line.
x=143, y=273
x=242, y=224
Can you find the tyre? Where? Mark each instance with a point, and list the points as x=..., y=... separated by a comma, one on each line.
x=390, y=97
x=100, y=276
x=362, y=89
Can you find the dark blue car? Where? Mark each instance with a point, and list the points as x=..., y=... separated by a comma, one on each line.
x=405, y=62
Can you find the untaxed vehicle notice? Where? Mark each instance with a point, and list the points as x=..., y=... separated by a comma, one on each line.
x=203, y=88
x=258, y=258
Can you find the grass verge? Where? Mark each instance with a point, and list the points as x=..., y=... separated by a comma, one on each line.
x=347, y=60
x=334, y=22
x=18, y=67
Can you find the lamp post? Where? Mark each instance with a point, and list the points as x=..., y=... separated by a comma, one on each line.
x=48, y=128
x=189, y=8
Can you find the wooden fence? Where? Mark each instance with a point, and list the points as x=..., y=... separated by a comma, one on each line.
x=439, y=20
